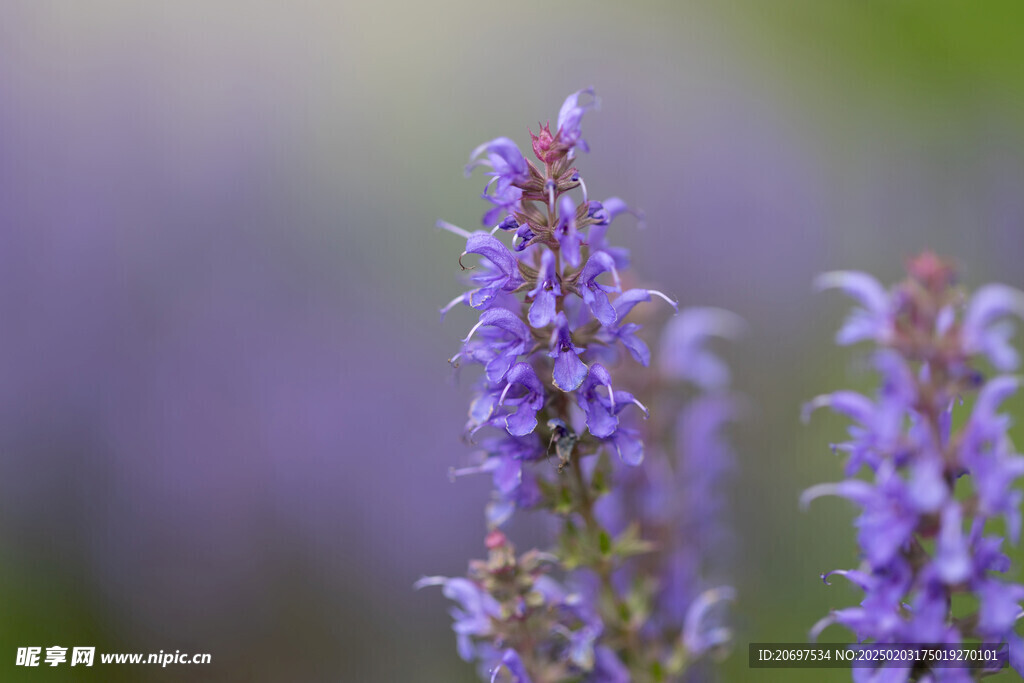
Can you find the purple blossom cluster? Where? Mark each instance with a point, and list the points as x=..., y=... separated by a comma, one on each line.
x=676, y=497
x=518, y=622
x=548, y=329
x=935, y=502
x=557, y=432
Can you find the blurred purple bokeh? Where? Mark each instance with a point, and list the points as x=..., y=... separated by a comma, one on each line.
x=225, y=413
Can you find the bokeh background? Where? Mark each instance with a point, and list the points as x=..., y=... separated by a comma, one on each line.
x=226, y=416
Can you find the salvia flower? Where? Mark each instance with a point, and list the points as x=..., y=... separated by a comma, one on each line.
x=508, y=168
x=594, y=294
x=569, y=118
x=557, y=430
x=928, y=494
x=569, y=370
x=545, y=294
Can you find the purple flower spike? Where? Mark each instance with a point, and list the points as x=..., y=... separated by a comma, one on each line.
x=569, y=118
x=595, y=294
x=921, y=543
x=524, y=420
x=556, y=615
x=569, y=369
x=542, y=310
x=569, y=238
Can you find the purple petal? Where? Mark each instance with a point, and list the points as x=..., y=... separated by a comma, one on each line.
x=628, y=445
x=542, y=310
x=634, y=344
x=503, y=154
x=497, y=253
x=511, y=661
x=600, y=421
x=849, y=403
x=597, y=241
x=1000, y=607
x=505, y=319
x=612, y=207
x=628, y=299
x=508, y=475
x=697, y=637
x=608, y=668
x=521, y=422
x=569, y=371
x=569, y=117
x=987, y=305
x=927, y=487
x=597, y=263
x=1016, y=647
x=870, y=322
x=685, y=340
x=863, y=287
x=523, y=373
x=952, y=556
x=599, y=305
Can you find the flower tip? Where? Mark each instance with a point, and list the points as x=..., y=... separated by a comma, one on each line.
x=671, y=302
x=595, y=103
x=831, y=279
x=808, y=408
x=814, y=492
x=642, y=407
x=429, y=581
x=820, y=626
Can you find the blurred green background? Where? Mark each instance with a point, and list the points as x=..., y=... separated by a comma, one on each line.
x=225, y=413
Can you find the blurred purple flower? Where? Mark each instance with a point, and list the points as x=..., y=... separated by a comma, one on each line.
x=906, y=439
x=475, y=611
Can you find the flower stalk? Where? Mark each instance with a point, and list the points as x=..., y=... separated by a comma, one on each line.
x=559, y=434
